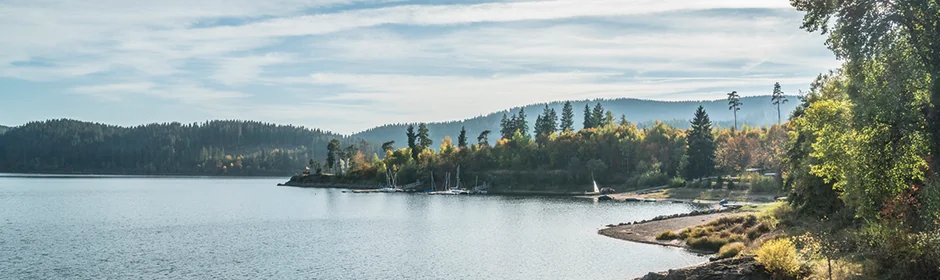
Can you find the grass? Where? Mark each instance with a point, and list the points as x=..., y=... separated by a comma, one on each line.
x=667, y=235
x=709, y=194
x=730, y=250
x=762, y=207
x=719, y=233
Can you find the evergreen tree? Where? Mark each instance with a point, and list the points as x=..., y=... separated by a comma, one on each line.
x=609, y=118
x=521, y=125
x=505, y=126
x=462, y=139
x=597, y=116
x=424, y=141
x=778, y=98
x=701, y=151
x=483, y=139
x=734, y=104
x=623, y=119
x=588, y=117
x=567, y=117
x=412, y=141
x=332, y=149
x=388, y=146
x=539, y=124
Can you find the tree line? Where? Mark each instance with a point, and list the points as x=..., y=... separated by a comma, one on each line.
x=209, y=148
x=555, y=157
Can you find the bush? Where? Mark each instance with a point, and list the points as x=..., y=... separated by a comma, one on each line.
x=677, y=182
x=779, y=257
x=667, y=235
x=761, y=183
x=707, y=243
x=731, y=250
x=651, y=179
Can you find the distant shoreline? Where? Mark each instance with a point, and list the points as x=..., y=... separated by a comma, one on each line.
x=126, y=176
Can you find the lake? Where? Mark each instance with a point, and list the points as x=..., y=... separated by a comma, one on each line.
x=211, y=228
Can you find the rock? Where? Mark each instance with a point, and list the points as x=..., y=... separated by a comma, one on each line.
x=728, y=269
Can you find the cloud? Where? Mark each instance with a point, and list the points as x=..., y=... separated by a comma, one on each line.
x=112, y=92
x=240, y=70
x=313, y=62
x=188, y=94
x=458, y=14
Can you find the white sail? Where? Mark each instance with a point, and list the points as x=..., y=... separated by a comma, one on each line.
x=596, y=189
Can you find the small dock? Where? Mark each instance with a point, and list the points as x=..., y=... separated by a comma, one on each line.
x=366, y=191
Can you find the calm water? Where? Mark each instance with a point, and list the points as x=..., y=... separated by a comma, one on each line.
x=192, y=228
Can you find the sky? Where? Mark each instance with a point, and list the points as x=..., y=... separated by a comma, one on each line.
x=347, y=65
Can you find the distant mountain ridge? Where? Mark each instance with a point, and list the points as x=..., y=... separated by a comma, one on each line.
x=755, y=111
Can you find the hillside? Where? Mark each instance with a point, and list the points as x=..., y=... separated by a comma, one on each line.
x=210, y=148
x=4, y=129
x=756, y=111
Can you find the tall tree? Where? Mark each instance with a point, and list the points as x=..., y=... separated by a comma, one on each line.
x=734, y=104
x=701, y=152
x=567, y=117
x=623, y=119
x=778, y=98
x=521, y=124
x=424, y=140
x=412, y=141
x=507, y=126
x=597, y=116
x=388, y=146
x=483, y=139
x=609, y=118
x=462, y=138
x=545, y=125
x=588, y=117
x=863, y=29
x=332, y=148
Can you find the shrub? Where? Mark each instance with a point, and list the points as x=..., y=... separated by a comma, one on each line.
x=761, y=183
x=779, y=257
x=755, y=232
x=667, y=235
x=677, y=182
x=730, y=250
x=707, y=243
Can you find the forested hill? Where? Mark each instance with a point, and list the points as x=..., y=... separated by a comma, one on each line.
x=3, y=129
x=755, y=111
x=210, y=148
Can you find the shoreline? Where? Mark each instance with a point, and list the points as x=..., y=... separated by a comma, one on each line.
x=646, y=232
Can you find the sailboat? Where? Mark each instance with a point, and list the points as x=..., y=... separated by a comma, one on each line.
x=391, y=183
x=455, y=190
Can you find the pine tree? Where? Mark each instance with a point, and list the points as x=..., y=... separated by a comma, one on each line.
x=778, y=98
x=609, y=118
x=483, y=139
x=588, y=117
x=462, y=138
x=332, y=149
x=567, y=117
x=506, y=127
x=623, y=119
x=552, y=120
x=412, y=141
x=701, y=151
x=388, y=146
x=423, y=139
x=734, y=104
x=597, y=116
x=521, y=125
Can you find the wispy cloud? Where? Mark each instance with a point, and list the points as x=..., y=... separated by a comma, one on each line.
x=310, y=61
